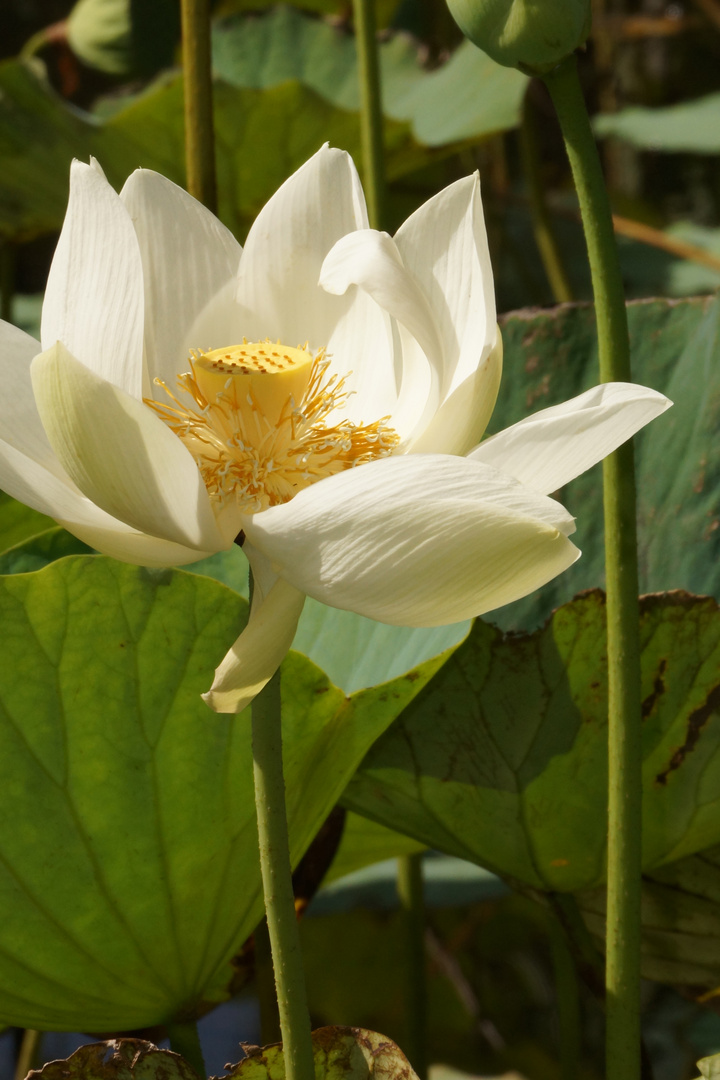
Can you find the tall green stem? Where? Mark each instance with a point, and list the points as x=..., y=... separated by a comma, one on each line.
x=412, y=905
x=199, y=130
x=184, y=1040
x=277, y=882
x=624, y=696
x=541, y=223
x=371, y=125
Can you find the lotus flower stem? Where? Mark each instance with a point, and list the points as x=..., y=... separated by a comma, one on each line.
x=199, y=129
x=541, y=222
x=624, y=695
x=410, y=894
x=277, y=882
x=184, y=1040
x=371, y=123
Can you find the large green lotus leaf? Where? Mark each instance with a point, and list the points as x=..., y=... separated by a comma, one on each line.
x=503, y=759
x=681, y=921
x=693, y=126
x=18, y=522
x=469, y=97
x=365, y=843
x=551, y=356
x=128, y=863
x=354, y=652
x=262, y=136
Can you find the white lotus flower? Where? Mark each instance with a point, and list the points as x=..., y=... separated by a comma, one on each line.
x=320, y=392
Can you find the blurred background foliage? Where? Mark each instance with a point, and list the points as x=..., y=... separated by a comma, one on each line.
x=100, y=77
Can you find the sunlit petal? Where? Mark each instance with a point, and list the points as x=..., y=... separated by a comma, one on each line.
x=444, y=245
x=120, y=455
x=419, y=540
x=553, y=446
x=94, y=297
x=187, y=257
x=258, y=652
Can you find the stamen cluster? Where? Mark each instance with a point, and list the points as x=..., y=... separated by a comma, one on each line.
x=259, y=461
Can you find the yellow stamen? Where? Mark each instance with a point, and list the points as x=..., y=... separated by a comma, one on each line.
x=258, y=431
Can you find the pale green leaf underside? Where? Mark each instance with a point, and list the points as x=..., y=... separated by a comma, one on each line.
x=128, y=860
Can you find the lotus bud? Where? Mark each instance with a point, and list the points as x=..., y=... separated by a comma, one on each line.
x=532, y=35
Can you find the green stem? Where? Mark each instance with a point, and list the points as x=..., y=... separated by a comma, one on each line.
x=27, y=1056
x=568, y=1001
x=277, y=882
x=371, y=122
x=199, y=130
x=184, y=1040
x=624, y=697
x=410, y=894
x=541, y=222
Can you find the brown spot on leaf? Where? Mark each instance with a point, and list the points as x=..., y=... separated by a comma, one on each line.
x=696, y=722
x=658, y=688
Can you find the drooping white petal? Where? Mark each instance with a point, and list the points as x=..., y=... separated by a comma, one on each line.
x=444, y=246
x=280, y=265
x=94, y=297
x=187, y=257
x=555, y=445
x=370, y=260
x=417, y=540
x=258, y=652
x=31, y=483
x=461, y=420
x=19, y=421
x=122, y=456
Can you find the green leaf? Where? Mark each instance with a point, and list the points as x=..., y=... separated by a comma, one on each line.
x=681, y=922
x=341, y=1053
x=40, y=550
x=288, y=87
x=693, y=126
x=128, y=862
x=365, y=843
x=118, y=1059
x=551, y=356
x=18, y=522
x=503, y=759
x=469, y=97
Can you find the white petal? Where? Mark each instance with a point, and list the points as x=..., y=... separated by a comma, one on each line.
x=94, y=297
x=258, y=652
x=371, y=261
x=554, y=446
x=121, y=455
x=20, y=425
x=187, y=257
x=286, y=246
x=444, y=246
x=417, y=540
x=31, y=483
x=461, y=420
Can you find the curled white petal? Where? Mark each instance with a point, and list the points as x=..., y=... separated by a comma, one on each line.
x=553, y=446
x=419, y=540
x=258, y=652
